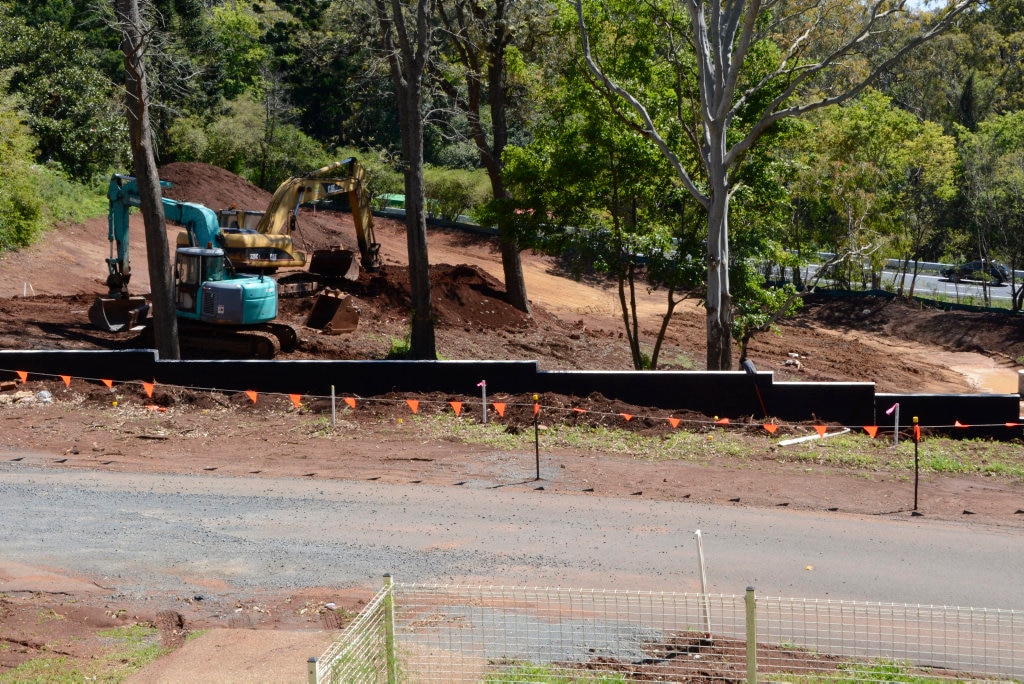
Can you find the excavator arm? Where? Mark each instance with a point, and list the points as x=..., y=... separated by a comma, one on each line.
x=123, y=193
x=346, y=177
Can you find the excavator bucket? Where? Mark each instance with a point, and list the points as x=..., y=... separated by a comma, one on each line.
x=118, y=314
x=335, y=263
x=333, y=313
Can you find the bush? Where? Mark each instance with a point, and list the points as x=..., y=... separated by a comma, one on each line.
x=453, y=192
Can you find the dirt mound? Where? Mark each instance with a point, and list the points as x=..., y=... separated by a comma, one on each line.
x=212, y=186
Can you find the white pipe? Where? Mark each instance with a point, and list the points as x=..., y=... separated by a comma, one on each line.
x=807, y=438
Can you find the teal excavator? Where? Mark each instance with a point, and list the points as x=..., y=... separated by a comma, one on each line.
x=219, y=311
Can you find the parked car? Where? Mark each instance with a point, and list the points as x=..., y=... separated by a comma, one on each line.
x=992, y=271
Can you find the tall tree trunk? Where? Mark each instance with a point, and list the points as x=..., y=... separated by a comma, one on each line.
x=408, y=42
x=719, y=297
x=133, y=45
x=422, y=343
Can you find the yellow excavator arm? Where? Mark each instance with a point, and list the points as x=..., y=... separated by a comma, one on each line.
x=277, y=222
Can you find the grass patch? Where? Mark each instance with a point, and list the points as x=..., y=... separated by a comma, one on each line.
x=854, y=451
x=880, y=671
x=131, y=649
x=547, y=675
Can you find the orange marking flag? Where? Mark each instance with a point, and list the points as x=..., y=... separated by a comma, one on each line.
x=108, y=383
x=66, y=379
x=499, y=407
x=674, y=422
x=457, y=407
x=821, y=429
x=252, y=395
x=296, y=399
x=771, y=428
x=23, y=375
x=627, y=416
x=872, y=430
x=148, y=386
x=414, y=404
x=351, y=401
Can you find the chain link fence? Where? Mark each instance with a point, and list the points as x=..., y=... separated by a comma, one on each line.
x=451, y=633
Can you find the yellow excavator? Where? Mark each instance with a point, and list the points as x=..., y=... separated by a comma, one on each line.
x=261, y=241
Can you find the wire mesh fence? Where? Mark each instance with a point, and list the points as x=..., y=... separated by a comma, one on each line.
x=451, y=633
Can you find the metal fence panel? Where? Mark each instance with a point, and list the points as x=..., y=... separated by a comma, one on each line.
x=497, y=634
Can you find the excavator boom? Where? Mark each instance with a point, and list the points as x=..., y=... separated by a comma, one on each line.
x=268, y=245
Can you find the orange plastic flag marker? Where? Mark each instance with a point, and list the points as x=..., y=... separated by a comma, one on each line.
x=457, y=407
x=872, y=430
x=771, y=428
x=296, y=399
x=821, y=429
x=917, y=433
x=579, y=410
x=66, y=379
x=499, y=407
x=722, y=421
x=251, y=394
x=108, y=383
x=674, y=422
x=23, y=375
x=536, y=409
x=148, y=386
x=414, y=404
x=627, y=416
x=351, y=401
x=957, y=423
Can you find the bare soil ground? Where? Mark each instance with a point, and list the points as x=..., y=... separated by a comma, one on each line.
x=45, y=292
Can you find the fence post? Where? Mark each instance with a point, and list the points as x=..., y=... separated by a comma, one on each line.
x=751, y=636
x=311, y=677
x=389, y=630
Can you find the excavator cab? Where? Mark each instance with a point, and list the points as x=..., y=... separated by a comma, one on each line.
x=207, y=289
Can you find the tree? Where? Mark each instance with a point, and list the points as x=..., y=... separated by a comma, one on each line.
x=481, y=35
x=133, y=45
x=735, y=108
x=70, y=104
x=408, y=38
x=993, y=189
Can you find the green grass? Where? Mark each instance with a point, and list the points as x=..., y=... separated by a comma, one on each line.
x=855, y=673
x=854, y=451
x=541, y=674
x=131, y=649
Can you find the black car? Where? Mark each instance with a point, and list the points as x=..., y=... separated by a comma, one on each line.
x=991, y=271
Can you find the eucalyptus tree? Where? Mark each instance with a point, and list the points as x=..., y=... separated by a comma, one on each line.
x=724, y=108
x=880, y=174
x=596, y=195
x=408, y=33
x=485, y=49
x=993, y=189
x=137, y=103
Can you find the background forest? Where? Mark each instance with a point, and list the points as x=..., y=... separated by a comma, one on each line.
x=926, y=164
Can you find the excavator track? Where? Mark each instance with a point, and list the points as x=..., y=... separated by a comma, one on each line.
x=253, y=342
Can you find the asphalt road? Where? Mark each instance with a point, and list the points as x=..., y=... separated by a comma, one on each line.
x=141, y=534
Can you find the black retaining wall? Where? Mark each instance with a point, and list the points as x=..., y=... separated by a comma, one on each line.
x=726, y=394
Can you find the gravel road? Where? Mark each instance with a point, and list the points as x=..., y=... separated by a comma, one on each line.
x=143, y=535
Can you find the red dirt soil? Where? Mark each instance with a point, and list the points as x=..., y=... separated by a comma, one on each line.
x=45, y=291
